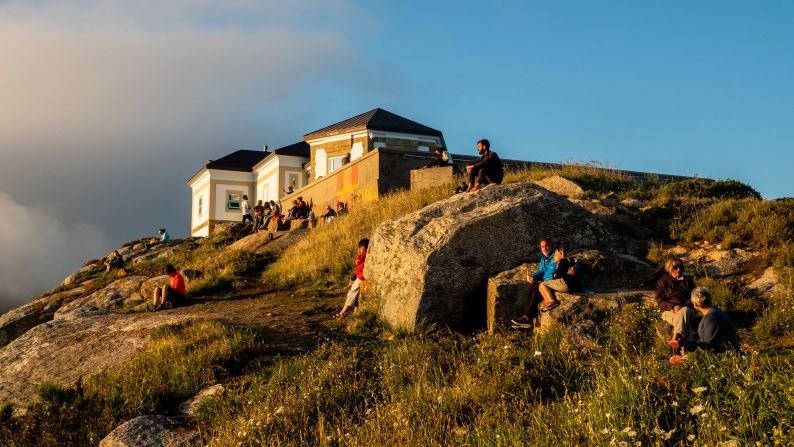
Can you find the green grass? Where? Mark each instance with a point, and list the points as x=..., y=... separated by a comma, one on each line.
x=436, y=388
x=177, y=363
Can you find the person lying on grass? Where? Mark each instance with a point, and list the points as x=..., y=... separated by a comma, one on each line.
x=174, y=293
x=715, y=333
x=565, y=280
x=358, y=276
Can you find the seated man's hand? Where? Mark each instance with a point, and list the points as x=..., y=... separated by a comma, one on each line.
x=530, y=279
x=572, y=270
x=676, y=308
x=469, y=168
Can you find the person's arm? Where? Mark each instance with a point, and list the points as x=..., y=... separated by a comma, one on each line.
x=661, y=295
x=485, y=160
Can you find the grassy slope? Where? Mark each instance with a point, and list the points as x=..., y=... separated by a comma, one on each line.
x=383, y=387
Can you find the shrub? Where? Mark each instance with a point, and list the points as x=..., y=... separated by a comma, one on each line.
x=708, y=189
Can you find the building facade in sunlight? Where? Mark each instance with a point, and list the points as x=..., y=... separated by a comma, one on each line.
x=356, y=159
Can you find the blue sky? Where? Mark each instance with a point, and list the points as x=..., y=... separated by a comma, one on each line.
x=110, y=106
x=701, y=88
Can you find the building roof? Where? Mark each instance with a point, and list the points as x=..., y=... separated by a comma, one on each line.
x=299, y=149
x=243, y=160
x=375, y=119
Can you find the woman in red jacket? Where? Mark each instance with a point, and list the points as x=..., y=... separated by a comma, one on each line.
x=358, y=276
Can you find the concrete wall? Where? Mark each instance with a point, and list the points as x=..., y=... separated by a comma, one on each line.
x=430, y=177
x=200, y=206
x=374, y=174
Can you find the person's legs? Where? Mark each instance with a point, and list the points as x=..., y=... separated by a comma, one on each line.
x=158, y=293
x=352, y=298
x=473, y=174
x=683, y=323
x=548, y=295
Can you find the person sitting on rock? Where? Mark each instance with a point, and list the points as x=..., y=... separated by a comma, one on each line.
x=441, y=158
x=275, y=208
x=164, y=236
x=174, y=293
x=673, y=292
x=358, y=276
x=341, y=209
x=565, y=280
x=115, y=261
x=329, y=215
x=545, y=272
x=485, y=170
x=294, y=212
x=303, y=209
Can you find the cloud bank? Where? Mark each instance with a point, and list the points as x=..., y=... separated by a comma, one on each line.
x=109, y=107
x=38, y=250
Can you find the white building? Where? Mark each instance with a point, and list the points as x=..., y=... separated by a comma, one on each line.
x=218, y=187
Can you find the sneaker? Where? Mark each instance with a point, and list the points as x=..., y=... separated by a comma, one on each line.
x=677, y=360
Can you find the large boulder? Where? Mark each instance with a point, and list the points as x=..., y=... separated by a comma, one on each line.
x=153, y=431
x=120, y=294
x=432, y=265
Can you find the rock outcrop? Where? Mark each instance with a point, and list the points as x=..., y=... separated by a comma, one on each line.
x=583, y=313
x=190, y=406
x=432, y=265
x=610, y=271
x=713, y=261
x=17, y=321
x=562, y=186
x=153, y=431
x=120, y=294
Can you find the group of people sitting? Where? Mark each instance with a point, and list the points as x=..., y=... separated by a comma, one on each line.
x=696, y=322
x=260, y=214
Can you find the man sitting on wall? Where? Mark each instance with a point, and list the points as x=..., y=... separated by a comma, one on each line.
x=485, y=170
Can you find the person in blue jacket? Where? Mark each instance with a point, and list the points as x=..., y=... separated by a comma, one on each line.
x=545, y=272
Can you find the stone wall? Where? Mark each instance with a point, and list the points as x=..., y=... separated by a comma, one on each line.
x=376, y=173
x=427, y=178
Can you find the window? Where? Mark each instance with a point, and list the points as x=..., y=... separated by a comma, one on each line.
x=293, y=180
x=200, y=205
x=233, y=200
x=423, y=149
x=335, y=163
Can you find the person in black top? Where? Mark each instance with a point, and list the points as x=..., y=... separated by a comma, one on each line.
x=565, y=280
x=440, y=159
x=715, y=331
x=487, y=169
x=673, y=292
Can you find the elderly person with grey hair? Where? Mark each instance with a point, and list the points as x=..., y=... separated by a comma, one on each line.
x=715, y=331
x=673, y=291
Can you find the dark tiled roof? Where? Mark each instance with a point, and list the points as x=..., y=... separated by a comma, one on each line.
x=376, y=119
x=300, y=149
x=242, y=160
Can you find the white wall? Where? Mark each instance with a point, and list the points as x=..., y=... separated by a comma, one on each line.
x=221, y=190
x=320, y=163
x=199, y=190
x=356, y=151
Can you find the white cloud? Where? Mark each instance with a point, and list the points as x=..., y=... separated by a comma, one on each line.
x=109, y=106
x=38, y=250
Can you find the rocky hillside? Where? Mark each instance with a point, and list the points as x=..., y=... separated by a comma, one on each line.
x=261, y=344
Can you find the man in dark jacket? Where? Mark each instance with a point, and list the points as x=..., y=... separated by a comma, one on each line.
x=485, y=170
